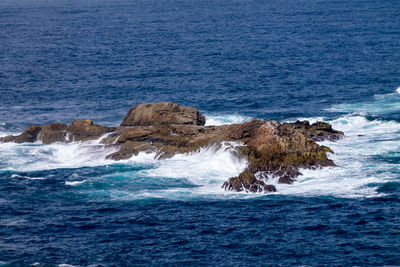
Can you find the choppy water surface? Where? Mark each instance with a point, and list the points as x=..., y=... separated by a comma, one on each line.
x=333, y=61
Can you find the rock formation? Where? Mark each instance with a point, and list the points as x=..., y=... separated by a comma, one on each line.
x=78, y=130
x=272, y=149
x=162, y=114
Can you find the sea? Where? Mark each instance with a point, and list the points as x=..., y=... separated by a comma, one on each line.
x=64, y=205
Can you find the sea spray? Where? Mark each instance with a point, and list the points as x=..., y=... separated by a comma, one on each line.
x=360, y=157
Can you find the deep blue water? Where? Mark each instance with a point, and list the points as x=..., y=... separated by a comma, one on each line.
x=337, y=61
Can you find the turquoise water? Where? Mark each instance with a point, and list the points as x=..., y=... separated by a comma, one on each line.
x=234, y=60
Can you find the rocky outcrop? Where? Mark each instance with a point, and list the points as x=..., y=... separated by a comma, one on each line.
x=274, y=150
x=28, y=136
x=78, y=130
x=162, y=114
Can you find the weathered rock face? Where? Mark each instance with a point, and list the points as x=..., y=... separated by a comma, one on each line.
x=162, y=114
x=272, y=149
x=54, y=132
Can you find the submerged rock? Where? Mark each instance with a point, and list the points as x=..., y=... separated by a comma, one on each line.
x=272, y=149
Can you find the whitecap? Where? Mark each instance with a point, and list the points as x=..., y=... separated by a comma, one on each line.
x=380, y=104
x=74, y=183
x=27, y=177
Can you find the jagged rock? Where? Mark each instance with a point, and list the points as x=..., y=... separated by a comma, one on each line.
x=246, y=181
x=271, y=146
x=162, y=114
x=318, y=131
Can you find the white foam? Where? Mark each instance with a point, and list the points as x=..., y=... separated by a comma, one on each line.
x=74, y=183
x=398, y=90
x=6, y=133
x=27, y=177
x=216, y=120
x=207, y=168
x=35, y=157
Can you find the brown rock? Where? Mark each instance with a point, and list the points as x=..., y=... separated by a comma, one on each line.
x=162, y=114
x=79, y=130
x=54, y=132
x=28, y=136
x=83, y=130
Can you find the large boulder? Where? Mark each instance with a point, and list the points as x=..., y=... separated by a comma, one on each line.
x=162, y=114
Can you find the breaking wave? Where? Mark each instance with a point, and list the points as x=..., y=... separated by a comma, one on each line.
x=381, y=104
x=367, y=158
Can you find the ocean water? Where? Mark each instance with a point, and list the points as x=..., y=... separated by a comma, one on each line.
x=65, y=204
